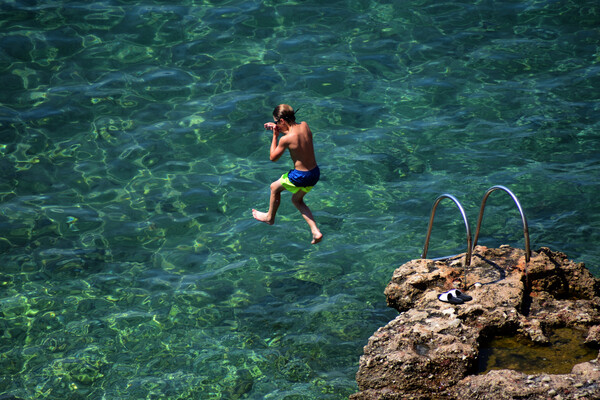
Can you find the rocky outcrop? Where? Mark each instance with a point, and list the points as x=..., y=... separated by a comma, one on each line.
x=431, y=350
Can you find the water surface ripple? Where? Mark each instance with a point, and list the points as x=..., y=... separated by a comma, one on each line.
x=132, y=151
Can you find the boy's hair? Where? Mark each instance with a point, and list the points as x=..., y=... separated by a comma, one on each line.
x=285, y=112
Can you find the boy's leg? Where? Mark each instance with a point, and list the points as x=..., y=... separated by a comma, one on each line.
x=298, y=200
x=269, y=216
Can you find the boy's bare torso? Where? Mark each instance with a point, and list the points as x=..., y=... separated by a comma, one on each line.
x=299, y=142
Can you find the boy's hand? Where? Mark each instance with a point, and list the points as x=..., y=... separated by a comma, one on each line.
x=271, y=127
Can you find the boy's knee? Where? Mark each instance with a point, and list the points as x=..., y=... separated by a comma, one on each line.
x=297, y=201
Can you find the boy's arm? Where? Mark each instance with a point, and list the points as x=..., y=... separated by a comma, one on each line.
x=277, y=149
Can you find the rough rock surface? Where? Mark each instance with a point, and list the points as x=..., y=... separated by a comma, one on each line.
x=430, y=351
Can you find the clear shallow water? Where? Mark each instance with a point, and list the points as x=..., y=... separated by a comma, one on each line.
x=565, y=349
x=132, y=151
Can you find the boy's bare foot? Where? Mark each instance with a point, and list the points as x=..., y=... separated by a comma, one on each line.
x=262, y=217
x=317, y=238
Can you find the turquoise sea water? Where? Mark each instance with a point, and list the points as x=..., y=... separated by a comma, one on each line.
x=132, y=152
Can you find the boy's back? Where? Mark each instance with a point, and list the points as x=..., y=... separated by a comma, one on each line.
x=299, y=141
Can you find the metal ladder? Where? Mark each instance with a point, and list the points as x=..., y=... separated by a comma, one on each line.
x=471, y=244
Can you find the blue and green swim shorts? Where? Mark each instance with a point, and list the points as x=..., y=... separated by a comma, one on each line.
x=296, y=180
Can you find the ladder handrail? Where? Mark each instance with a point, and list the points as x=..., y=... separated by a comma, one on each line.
x=523, y=219
x=464, y=215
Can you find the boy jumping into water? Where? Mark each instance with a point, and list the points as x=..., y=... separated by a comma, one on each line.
x=300, y=180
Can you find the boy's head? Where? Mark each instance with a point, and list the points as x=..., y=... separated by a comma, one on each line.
x=284, y=112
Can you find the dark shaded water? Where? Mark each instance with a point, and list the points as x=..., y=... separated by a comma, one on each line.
x=132, y=151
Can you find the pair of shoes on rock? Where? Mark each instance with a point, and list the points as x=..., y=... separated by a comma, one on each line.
x=454, y=296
